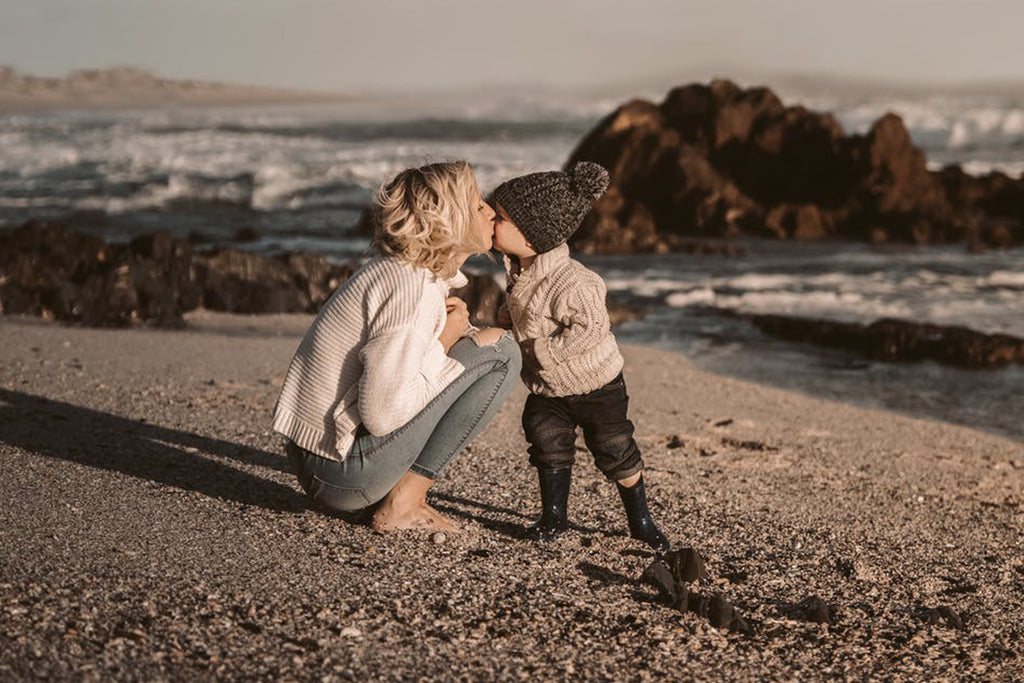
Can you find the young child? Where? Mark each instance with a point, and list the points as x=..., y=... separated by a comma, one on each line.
x=571, y=362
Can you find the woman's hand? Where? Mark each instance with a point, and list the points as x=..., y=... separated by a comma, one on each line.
x=456, y=323
x=489, y=336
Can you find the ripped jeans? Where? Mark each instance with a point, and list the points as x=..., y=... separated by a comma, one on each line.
x=550, y=426
x=426, y=443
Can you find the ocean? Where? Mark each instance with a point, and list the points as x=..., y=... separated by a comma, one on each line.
x=299, y=177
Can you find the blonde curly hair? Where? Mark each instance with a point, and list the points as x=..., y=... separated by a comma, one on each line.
x=425, y=216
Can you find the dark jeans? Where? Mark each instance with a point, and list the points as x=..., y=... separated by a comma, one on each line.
x=550, y=427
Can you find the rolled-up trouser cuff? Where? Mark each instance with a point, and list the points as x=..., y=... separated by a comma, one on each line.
x=625, y=472
x=552, y=461
x=421, y=470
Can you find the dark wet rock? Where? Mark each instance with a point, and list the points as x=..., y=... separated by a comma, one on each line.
x=719, y=160
x=673, y=574
x=52, y=271
x=674, y=577
x=247, y=234
x=719, y=612
x=899, y=340
x=686, y=565
x=239, y=281
x=660, y=577
x=995, y=202
x=940, y=616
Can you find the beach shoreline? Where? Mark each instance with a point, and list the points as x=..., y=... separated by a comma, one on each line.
x=129, y=88
x=153, y=530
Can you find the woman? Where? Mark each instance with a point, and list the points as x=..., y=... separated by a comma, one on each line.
x=391, y=381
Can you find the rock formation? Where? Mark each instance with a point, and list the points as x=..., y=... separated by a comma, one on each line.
x=721, y=161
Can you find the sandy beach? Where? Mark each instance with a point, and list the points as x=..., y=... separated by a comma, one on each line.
x=152, y=531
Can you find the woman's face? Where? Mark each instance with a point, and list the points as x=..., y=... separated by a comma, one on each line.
x=483, y=221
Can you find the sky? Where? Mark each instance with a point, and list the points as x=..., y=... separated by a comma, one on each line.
x=436, y=45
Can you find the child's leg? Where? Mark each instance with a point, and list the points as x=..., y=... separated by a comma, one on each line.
x=550, y=431
x=609, y=436
x=608, y=432
x=552, y=437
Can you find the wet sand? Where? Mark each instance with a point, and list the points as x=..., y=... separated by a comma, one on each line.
x=152, y=530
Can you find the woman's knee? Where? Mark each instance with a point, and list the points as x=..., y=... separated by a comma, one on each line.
x=508, y=352
x=504, y=351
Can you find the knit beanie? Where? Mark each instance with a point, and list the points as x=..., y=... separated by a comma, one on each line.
x=549, y=207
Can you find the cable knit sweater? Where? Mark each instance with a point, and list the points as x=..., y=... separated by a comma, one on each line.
x=560, y=320
x=371, y=357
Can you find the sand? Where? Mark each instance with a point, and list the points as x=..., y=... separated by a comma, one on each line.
x=151, y=530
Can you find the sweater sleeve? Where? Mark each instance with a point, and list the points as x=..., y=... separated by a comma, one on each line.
x=404, y=367
x=581, y=311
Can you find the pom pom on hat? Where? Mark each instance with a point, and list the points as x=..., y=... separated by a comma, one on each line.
x=588, y=179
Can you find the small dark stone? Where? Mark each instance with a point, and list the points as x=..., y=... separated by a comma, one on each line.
x=675, y=442
x=738, y=576
x=724, y=423
x=746, y=445
x=845, y=567
x=251, y=627
x=814, y=610
x=940, y=616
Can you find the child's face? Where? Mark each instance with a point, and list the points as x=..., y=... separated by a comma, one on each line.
x=507, y=238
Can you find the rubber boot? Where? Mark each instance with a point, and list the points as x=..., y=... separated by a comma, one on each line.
x=554, y=501
x=641, y=526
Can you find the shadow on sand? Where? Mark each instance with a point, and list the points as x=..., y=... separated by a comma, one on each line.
x=159, y=454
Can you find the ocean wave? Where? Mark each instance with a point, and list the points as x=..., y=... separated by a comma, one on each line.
x=451, y=129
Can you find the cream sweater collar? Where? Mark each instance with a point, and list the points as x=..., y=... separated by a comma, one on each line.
x=542, y=265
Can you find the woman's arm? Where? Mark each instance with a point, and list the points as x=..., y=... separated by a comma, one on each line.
x=404, y=366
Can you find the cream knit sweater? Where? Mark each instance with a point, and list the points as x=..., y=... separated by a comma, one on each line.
x=371, y=357
x=560, y=320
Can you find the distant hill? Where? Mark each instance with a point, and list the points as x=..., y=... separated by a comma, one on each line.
x=131, y=87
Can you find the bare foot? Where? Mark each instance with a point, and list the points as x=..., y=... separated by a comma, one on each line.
x=422, y=516
x=405, y=507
